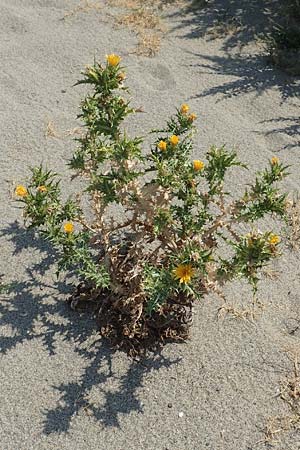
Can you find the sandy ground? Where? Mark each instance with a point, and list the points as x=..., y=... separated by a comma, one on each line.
x=61, y=387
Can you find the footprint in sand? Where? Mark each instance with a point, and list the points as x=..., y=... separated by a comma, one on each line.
x=158, y=78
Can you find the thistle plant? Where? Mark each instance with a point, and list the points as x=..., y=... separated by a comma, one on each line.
x=142, y=274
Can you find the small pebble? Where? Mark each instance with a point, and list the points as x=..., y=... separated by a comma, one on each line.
x=181, y=414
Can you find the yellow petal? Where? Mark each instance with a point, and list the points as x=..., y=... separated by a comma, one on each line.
x=68, y=227
x=113, y=60
x=184, y=108
x=21, y=191
x=192, y=117
x=174, y=140
x=198, y=165
x=162, y=145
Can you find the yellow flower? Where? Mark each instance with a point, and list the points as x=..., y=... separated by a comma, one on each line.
x=113, y=60
x=174, y=140
x=198, y=165
x=68, y=227
x=184, y=108
x=192, y=117
x=184, y=273
x=162, y=145
x=21, y=191
x=274, y=160
x=42, y=188
x=274, y=239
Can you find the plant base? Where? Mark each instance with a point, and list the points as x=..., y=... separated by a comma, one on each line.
x=128, y=328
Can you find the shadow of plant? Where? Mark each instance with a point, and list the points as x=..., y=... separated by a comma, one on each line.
x=114, y=402
x=292, y=129
x=29, y=302
x=251, y=74
x=36, y=310
x=237, y=22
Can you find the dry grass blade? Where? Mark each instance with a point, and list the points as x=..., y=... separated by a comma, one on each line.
x=143, y=17
x=84, y=6
x=51, y=130
x=249, y=314
x=148, y=45
x=290, y=391
x=275, y=427
x=290, y=394
x=77, y=131
x=270, y=273
x=157, y=4
x=140, y=19
x=293, y=232
x=148, y=26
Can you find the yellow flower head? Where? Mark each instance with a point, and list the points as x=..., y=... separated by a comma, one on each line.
x=68, y=227
x=162, y=145
x=274, y=160
x=192, y=117
x=42, y=188
x=184, y=273
x=184, y=108
x=174, y=140
x=21, y=191
x=113, y=60
x=198, y=165
x=274, y=239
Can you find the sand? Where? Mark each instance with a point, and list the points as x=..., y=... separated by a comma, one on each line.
x=61, y=386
